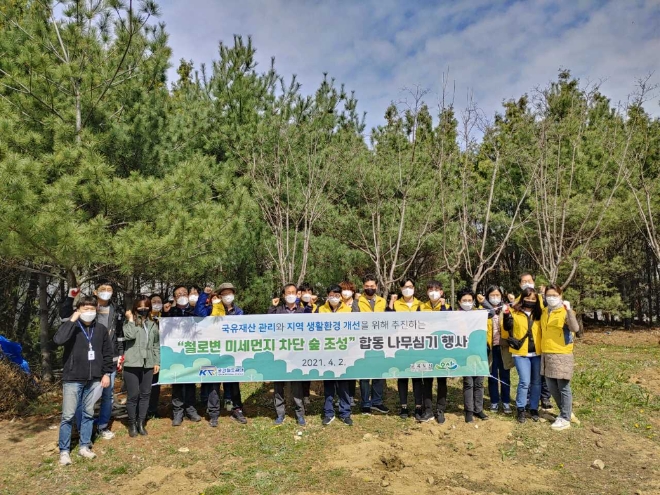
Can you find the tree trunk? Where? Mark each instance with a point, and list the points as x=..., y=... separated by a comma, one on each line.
x=44, y=331
x=453, y=292
x=27, y=310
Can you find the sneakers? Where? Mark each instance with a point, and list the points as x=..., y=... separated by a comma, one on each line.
x=279, y=420
x=521, y=415
x=507, y=408
x=404, y=412
x=347, y=421
x=366, y=411
x=424, y=417
x=560, y=424
x=106, y=434
x=546, y=404
x=86, y=453
x=494, y=408
x=194, y=417
x=440, y=417
x=65, y=458
x=301, y=421
x=327, y=420
x=535, y=415
x=469, y=417
x=481, y=415
x=213, y=422
x=238, y=416
x=380, y=408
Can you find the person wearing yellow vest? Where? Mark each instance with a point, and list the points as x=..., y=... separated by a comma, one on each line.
x=436, y=302
x=473, y=386
x=501, y=362
x=558, y=326
x=524, y=326
x=372, y=394
x=334, y=304
x=348, y=298
x=408, y=303
x=307, y=301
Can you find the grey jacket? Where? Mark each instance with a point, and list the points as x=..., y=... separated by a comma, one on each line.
x=142, y=348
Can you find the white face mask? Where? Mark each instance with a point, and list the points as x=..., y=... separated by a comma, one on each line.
x=228, y=299
x=467, y=306
x=407, y=291
x=334, y=301
x=290, y=299
x=182, y=300
x=156, y=307
x=347, y=294
x=216, y=301
x=193, y=298
x=306, y=297
x=527, y=286
x=553, y=301
x=434, y=295
x=105, y=295
x=495, y=301
x=88, y=316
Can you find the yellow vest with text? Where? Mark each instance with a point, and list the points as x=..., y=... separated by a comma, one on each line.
x=552, y=332
x=365, y=307
x=326, y=308
x=520, y=323
x=401, y=306
x=427, y=306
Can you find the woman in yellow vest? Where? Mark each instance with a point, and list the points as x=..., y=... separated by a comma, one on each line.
x=334, y=304
x=524, y=327
x=407, y=303
x=558, y=325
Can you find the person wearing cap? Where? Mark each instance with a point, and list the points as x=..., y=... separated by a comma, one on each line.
x=334, y=304
x=222, y=303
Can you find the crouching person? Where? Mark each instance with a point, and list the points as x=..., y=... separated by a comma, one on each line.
x=88, y=365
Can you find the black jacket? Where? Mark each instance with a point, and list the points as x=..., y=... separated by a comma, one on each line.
x=77, y=368
x=116, y=325
x=280, y=309
x=177, y=311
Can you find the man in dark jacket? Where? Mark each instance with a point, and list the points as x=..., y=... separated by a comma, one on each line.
x=111, y=317
x=289, y=306
x=183, y=394
x=87, y=366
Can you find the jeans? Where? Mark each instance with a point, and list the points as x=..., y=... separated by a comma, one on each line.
x=497, y=370
x=442, y=394
x=372, y=395
x=529, y=374
x=473, y=394
x=561, y=391
x=341, y=388
x=545, y=392
x=107, y=398
x=74, y=394
x=138, y=384
x=280, y=401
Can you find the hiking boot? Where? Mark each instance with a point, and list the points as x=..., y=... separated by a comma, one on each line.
x=238, y=416
x=404, y=412
x=86, y=453
x=132, y=429
x=65, y=458
x=481, y=415
x=440, y=417
x=521, y=415
x=327, y=420
x=535, y=415
x=347, y=421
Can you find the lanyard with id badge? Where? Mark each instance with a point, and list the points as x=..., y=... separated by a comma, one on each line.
x=90, y=353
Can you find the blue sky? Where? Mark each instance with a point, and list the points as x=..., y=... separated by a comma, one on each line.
x=496, y=50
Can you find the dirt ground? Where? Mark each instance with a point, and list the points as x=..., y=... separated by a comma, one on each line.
x=617, y=398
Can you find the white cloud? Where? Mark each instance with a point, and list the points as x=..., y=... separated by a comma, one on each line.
x=499, y=50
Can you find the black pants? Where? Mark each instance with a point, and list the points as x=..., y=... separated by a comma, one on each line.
x=306, y=387
x=155, y=396
x=473, y=394
x=138, y=384
x=351, y=388
x=442, y=395
x=213, y=392
x=183, y=397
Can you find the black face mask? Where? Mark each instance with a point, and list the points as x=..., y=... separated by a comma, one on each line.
x=369, y=292
x=528, y=304
x=143, y=312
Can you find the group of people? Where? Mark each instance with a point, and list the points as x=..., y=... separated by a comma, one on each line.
x=532, y=332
